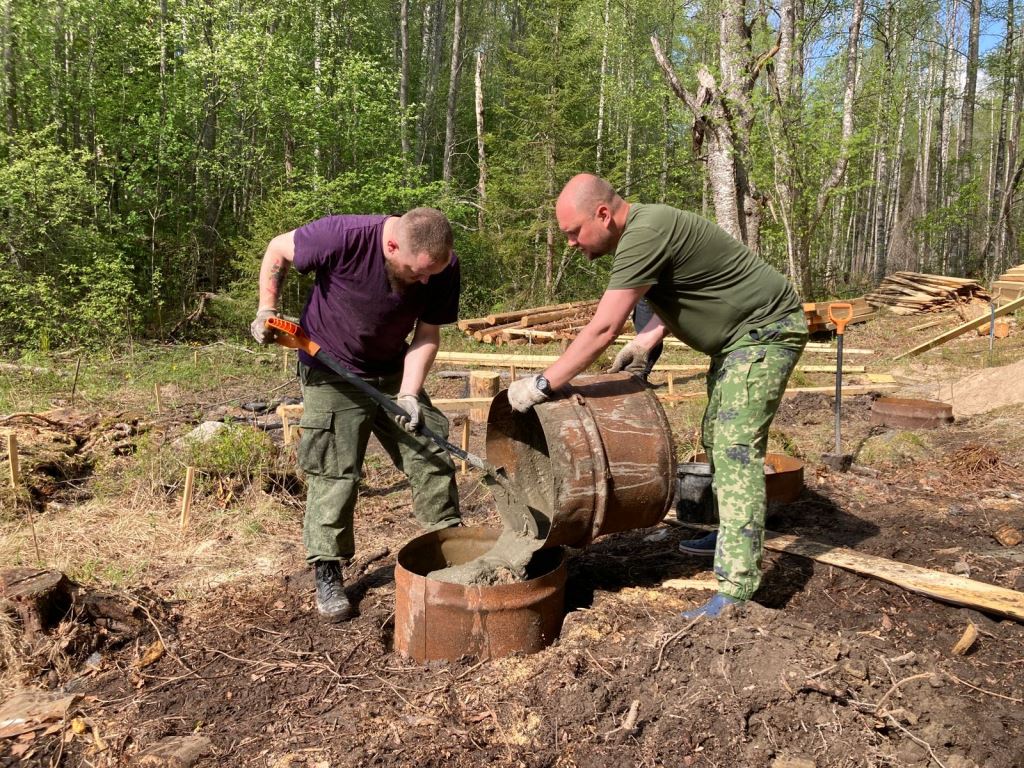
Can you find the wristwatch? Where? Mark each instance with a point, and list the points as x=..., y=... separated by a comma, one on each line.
x=543, y=386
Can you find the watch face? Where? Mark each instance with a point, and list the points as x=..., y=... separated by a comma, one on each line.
x=543, y=386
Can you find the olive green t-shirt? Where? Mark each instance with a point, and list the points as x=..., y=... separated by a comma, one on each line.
x=708, y=288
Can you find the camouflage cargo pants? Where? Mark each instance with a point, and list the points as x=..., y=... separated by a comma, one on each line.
x=745, y=385
x=337, y=422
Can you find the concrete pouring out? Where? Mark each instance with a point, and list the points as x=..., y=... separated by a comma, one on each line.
x=506, y=562
x=599, y=459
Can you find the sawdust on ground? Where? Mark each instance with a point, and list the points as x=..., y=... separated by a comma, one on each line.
x=982, y=391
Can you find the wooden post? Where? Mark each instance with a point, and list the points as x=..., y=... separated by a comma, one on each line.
x=12, y=456
x=465, y=443
x=186, y=500
x=286, y=431
x=159, y=403
x=512, y=374
x=284, y=359
x=74, y=384
x=195, y=357
x=482, y=384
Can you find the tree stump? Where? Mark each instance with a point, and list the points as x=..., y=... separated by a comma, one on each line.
x=41, y=598
x=482, y=384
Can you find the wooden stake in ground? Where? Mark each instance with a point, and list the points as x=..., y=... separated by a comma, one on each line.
x=482, y=384
x=74, y=384
x=186, y=499
x=159, y=403
x=12, y=457
x=465, y=443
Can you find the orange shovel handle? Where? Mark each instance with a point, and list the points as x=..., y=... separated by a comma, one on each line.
x=291, y=335
x=840, y=320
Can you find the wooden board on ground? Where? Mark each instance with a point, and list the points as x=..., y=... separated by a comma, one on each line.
x=946, y=587
x=970, y=325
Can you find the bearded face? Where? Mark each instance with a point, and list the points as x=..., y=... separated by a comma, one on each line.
x=398, y=284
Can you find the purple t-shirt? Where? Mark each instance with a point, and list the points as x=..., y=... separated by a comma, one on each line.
x=352, y=312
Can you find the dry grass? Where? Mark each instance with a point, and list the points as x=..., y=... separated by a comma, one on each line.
x=136, y=537
x=12, y=659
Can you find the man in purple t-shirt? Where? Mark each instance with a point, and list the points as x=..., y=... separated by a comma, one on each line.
x=377, y=279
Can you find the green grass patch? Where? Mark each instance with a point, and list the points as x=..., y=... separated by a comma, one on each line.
x=126, y=378
x=896, y=447
x=236, y=456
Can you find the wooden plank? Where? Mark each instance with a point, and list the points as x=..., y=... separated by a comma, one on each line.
x=490, y=358
x=970, y=325
x=930, y=324
x=848, y=389
x=881, y=378
x=946, y=587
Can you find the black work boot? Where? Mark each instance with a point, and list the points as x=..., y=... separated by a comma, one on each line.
x=331, y=601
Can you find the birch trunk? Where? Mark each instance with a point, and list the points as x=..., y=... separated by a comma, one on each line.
x=453, y=96
x=602, y=88
x=481, y=155
x=403, y=80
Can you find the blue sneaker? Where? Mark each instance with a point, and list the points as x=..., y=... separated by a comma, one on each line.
x=712, y=608
x=705, y=546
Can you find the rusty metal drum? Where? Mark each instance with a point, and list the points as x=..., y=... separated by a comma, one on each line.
x=437, y=620
x=910, y=413
x=597, y=459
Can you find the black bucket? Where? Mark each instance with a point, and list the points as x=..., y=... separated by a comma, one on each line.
x=695, y=499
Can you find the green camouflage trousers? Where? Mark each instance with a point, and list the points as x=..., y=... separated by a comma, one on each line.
x=337, y=422
x=745, y=385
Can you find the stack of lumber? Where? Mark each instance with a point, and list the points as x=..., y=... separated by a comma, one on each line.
x=534, y=325
x=1009, y=285
x=907, y=293
x=817, y=314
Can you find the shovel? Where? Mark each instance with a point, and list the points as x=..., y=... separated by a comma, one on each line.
x=838, y=460
x=291, y=335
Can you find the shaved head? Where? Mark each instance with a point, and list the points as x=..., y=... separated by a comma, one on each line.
x=585, y=192
x=591, y=214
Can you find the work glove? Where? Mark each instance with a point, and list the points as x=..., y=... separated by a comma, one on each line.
x=259, y=330
x=632, y=358
x=523, y=394
x=410, y=422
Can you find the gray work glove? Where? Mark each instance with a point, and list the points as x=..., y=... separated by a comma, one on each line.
x=523, y=394
x=259, y=330
x=410, y=422
x=632, y=358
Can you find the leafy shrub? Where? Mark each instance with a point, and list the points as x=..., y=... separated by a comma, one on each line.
x=63, y=279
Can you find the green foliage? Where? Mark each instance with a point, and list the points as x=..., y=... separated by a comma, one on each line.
x=150, y=151
x=235, y=454
x=65, y=281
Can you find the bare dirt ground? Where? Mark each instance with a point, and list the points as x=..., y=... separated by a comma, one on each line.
x=823, y=668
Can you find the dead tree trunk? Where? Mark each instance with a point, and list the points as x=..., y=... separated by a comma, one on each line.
x=723, y=116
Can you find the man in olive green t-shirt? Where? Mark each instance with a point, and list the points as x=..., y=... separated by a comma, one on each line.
x=715, y=294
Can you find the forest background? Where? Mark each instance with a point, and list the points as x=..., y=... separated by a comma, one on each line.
x=150, y=149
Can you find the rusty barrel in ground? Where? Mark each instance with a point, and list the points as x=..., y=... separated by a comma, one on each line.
x=436, y=620
x=909, y=413
x=597, y=459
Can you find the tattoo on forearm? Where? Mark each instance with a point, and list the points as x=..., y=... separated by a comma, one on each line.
x=277, y=273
